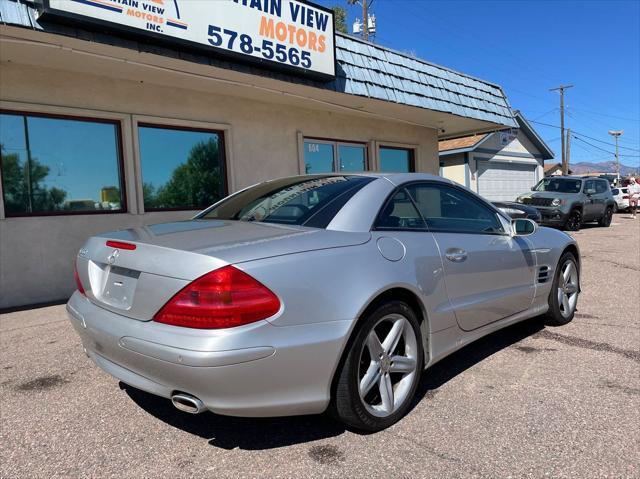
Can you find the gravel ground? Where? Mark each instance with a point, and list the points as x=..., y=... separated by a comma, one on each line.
x=525, y=402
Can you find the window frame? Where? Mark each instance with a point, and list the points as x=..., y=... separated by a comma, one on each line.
x=480, y=201
x=335, y=143
x=120, y=163
x=156, y=123
x=412, y=155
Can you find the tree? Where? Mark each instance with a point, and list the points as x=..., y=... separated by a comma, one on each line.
x=197, y=182
x=340, y=15
x=19, y=179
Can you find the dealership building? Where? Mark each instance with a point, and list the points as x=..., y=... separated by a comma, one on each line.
x=121, y=113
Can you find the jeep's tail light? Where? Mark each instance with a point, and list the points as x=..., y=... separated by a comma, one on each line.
x=223, y=298
x=77, y=278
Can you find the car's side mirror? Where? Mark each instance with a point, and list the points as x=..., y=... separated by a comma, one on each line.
x=533, y=188
x=523, y=227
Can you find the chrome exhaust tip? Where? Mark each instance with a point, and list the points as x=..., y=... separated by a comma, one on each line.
x=188, y=403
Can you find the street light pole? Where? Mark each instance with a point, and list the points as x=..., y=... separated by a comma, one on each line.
x=616, y=134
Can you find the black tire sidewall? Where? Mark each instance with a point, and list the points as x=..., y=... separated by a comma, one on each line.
x=578, y=222
x=554, y=315
x=607, y=218
x=348, y=404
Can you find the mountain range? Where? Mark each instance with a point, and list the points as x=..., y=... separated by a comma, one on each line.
x=603, y=167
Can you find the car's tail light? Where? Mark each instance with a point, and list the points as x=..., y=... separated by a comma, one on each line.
x=77, y=278
x=223, y=298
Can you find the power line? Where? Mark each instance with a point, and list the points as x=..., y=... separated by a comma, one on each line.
x=602, y=149
x=604, y=114
x=582, y=134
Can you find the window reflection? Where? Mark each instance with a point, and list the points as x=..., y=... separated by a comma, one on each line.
x=181, y=168
x=318, y=157
x=59, y=165
x=396, y=160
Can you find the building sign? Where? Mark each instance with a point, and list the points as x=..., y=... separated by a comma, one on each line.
x=293, y=35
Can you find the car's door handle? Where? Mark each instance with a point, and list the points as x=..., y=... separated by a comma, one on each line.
x=456, y=255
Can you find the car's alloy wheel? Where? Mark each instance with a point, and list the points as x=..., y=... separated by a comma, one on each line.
x=574, y=221
x=381, y=370
x=387, y=366
x=563, y=299
x=606, y=219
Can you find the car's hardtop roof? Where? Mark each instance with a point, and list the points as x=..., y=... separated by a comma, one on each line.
x=395, y=178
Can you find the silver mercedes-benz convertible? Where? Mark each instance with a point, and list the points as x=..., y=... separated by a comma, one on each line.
x=310, y=293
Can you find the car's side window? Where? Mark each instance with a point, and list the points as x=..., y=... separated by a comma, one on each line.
x=399, y=213
x=450, y=209
x=590, y=187
x=601, y=186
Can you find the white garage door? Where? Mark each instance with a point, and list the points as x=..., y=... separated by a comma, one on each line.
x=504, y=181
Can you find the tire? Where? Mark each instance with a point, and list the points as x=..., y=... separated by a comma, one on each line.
x=574, y=221
x=561, y=312
x=605, y=221
x=390, y=385
x=615, y=207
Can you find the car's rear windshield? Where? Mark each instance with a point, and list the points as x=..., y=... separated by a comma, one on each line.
x=303, y=200
x=560, y=185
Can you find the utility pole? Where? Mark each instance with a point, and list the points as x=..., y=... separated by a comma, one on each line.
x=616, y=134
x=561, y=89
x=366, y=4
x=568, y=146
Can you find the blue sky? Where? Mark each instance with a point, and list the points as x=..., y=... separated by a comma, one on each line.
x=528, y=47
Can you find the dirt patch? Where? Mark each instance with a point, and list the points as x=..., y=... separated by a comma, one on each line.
x=42, y=383
x=326, y=454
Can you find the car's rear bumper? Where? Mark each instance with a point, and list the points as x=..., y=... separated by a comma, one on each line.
x=253, y=370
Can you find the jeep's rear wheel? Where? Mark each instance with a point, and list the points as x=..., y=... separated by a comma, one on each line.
x=606, y=219
x=574, y=221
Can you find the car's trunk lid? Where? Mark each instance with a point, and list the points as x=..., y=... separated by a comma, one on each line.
x=138, y=282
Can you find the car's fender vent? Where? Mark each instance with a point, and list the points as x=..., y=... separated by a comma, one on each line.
x=543, y=274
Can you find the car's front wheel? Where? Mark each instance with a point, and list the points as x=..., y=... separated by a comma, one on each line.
x=382, y=369
x=606, y=219
x=574, y=221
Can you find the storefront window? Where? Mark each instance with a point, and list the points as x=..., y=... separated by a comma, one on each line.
x=59, y=165
x=396, y=160
x=322, y=156
x=318, y=157
x=181, y=168
x=352, y=158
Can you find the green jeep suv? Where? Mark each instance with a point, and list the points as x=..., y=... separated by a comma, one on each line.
x=570, y=201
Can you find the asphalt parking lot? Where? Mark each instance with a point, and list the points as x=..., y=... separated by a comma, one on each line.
x=528, y=401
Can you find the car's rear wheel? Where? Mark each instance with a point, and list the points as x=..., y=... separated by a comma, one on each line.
x=380, y=374
x=563, y=298
x=606, y=219
x=574, y=221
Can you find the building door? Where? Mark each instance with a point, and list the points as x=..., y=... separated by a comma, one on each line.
x=498, y=181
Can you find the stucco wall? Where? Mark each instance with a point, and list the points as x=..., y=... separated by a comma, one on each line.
x=36, y=254
x=454, y=168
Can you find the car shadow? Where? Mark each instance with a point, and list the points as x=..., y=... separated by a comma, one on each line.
x=463, y=359
x=269, y=433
